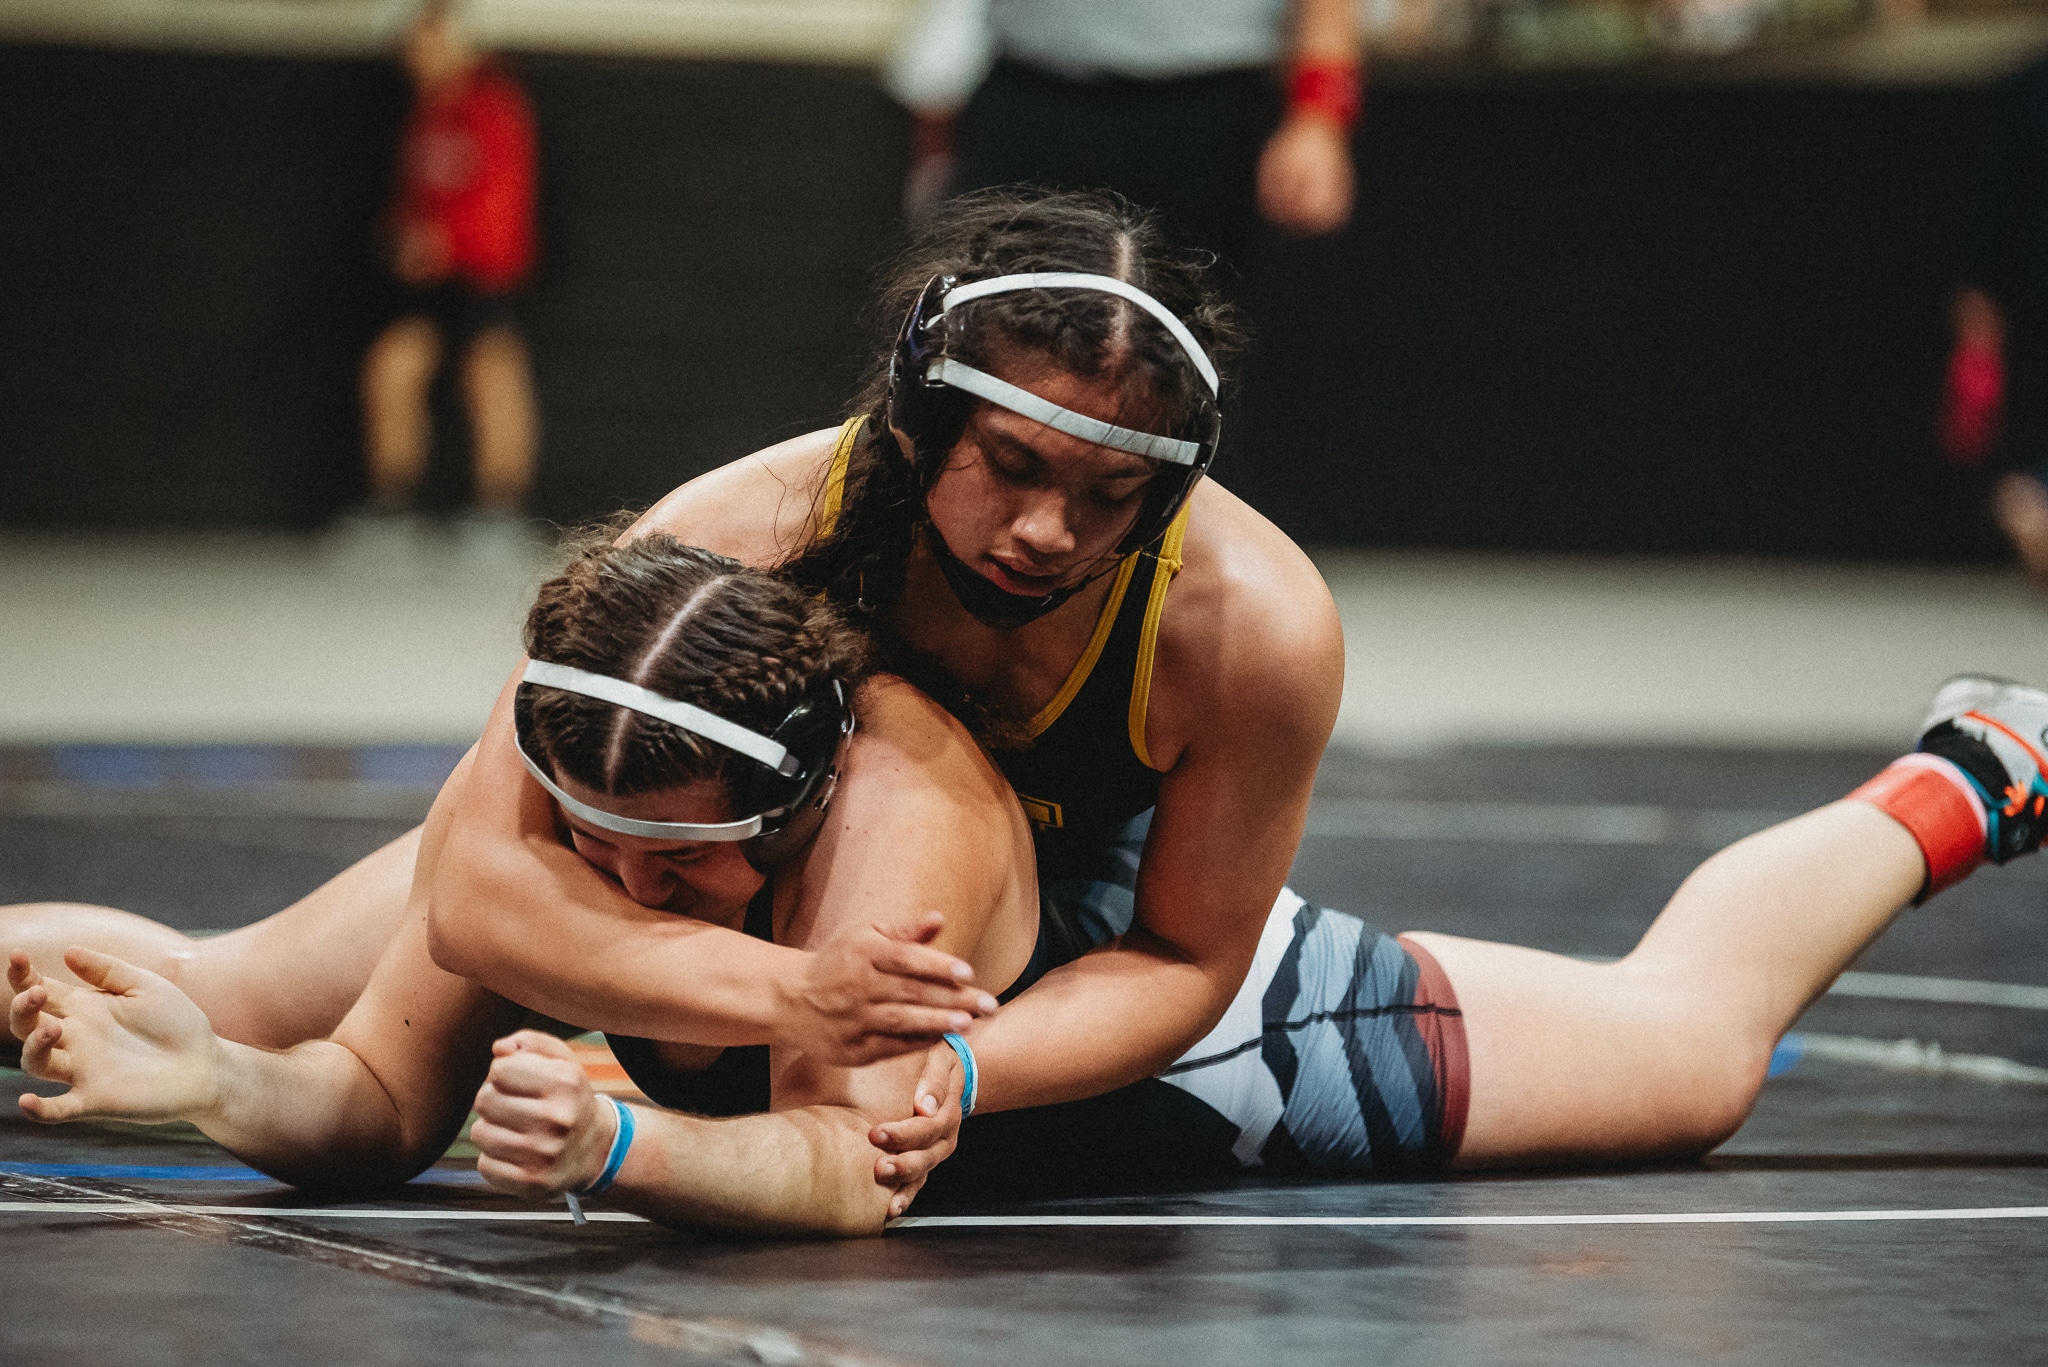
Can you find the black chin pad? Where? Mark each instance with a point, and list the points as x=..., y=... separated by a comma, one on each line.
x=985, y=603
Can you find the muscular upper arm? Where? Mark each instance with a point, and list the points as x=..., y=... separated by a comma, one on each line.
x=923, y=822
x=1248, y=683
x=424, y=1035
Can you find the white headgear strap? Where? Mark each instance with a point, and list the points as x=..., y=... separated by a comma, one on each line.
x=649, y=703
x=983, y=385
x=647, y=830
x=646, y=701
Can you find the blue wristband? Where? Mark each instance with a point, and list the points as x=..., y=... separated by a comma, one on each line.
x=622, y=1140
x=967, y=1088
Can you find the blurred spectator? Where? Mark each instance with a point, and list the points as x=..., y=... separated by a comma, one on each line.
x=1170, y=102
x=460, y=237
x=1995, y=399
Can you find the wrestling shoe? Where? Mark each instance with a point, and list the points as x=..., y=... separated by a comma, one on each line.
x=1996, y=732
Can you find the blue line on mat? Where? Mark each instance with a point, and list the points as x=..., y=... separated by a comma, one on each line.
x=1786, y=1055
x=182, y=1173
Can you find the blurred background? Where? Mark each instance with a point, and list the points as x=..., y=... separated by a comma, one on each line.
x=1613, y=412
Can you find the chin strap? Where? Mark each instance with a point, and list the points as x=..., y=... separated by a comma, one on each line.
x=996, y=607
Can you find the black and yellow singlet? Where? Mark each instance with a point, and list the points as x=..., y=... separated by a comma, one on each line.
x=1087, y=770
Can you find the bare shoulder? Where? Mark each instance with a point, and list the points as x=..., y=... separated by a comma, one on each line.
x=923, y=820
x=909, y=747
x=1250, y=632
x=758, y=509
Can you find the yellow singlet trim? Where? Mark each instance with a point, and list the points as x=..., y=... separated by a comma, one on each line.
x=835, y=477
x=1104, y=620
x=1148, y=635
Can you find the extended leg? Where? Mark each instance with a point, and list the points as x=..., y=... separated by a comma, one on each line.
x=1662, y=1053
x=287, y=978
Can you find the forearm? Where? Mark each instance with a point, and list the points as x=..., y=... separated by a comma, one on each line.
x=507, y=904
x=804, y=1171
x=316, y=1116
x=1110, y=1018
x=633, y=972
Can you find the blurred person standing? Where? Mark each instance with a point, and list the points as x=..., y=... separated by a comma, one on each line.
x=461, y=242
x=1995, y=399
x=1171, y=103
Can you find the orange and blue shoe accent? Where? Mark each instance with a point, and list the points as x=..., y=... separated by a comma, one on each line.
x=1974, y=788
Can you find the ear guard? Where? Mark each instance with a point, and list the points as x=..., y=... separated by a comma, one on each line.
x=932, y=393
x=794, y=806
x=786, y=793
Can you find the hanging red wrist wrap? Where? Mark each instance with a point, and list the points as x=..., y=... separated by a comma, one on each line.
x=1943, y=819
x=1333, y=89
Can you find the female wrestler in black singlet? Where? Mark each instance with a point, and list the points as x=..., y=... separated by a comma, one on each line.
x=734, y=815
x=1050, y=408
x=690, y=726
x=1034, y=435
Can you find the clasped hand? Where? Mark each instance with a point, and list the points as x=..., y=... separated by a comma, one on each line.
x=540, y=1130
x=879, y=992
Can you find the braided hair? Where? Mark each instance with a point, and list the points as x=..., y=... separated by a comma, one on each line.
x=740, y=643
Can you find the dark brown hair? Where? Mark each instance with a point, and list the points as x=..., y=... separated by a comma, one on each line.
x=1008, y=232
x=741, y=643
x=860, y=565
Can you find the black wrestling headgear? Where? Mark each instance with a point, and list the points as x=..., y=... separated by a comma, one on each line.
x=786, y=791
x=931, y=394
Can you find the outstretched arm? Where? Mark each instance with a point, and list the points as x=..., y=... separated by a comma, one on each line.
x=131, y=1046
x=375, y=1105
x=803, y=1169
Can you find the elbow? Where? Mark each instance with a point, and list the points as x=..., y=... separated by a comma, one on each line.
x=447, y=945
x=868, y=1225
x=851, y=1219
x=456, y=929
x=855, y=1218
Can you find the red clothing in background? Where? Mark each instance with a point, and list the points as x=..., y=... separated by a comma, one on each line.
x=467, y=167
